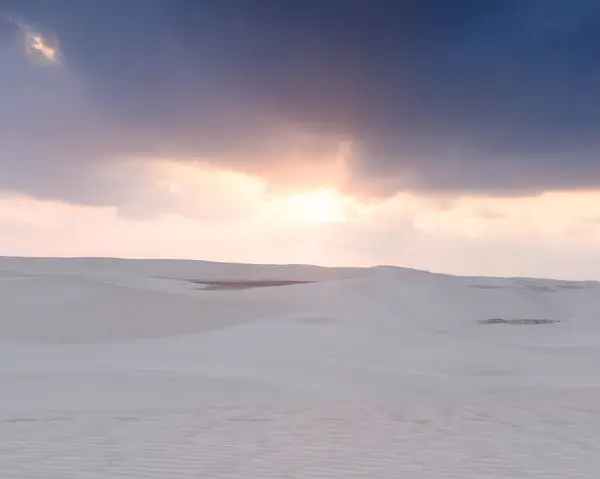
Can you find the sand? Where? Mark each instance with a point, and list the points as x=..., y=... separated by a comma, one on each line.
x=179, y=369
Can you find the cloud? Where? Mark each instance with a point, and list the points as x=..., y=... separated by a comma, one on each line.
x=196, y=191
x=42, y=49
x=546, y=236
x=490, y=98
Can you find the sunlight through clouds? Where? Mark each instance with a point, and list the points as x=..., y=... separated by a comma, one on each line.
x=127, y=144
x=317, y=206
x=188, y=211
x=40, y=48
x=37, y=44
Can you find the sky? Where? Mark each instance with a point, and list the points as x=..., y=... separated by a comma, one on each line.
x=459, y=137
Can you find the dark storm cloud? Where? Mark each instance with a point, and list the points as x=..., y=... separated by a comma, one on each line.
x=496, y=96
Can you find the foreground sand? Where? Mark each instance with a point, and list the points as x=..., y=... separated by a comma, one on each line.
x=174, y=369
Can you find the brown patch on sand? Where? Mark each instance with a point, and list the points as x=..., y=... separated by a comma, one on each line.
x=518, y=321
x=236, y=285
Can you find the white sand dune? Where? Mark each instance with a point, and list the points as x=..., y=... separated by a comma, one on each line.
x=132, y=368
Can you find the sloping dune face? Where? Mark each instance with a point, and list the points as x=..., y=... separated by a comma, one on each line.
x=191, y=369
x=104, y=300
x=290, y=325
x=72, y=309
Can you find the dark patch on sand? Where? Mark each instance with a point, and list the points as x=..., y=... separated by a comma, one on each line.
x=518, y=321
x=538, y=287
x=237, y=285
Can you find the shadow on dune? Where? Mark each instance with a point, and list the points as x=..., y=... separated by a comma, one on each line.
x=237, y=285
